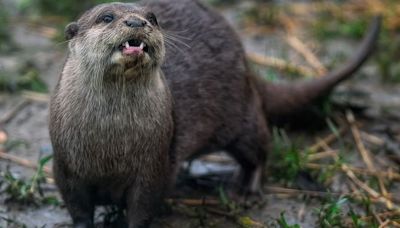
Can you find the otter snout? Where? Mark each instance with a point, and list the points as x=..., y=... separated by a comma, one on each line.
x=117, y=35
x=135, y=23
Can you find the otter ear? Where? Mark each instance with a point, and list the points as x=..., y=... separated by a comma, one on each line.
x=71, y=30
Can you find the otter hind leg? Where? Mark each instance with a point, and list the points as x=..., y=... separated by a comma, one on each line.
x=250, y=151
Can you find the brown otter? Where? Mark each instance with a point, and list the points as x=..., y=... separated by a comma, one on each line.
x=110, y=115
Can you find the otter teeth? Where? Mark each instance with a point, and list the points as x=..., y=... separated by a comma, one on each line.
x=141, y=46
x=133, y=46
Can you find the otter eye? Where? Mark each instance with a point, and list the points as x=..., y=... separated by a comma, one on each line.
x=152, y=18
x=107, y=18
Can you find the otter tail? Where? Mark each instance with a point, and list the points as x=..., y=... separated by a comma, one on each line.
x=285, y=100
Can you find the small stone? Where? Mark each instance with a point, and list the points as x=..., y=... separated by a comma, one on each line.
x=3, y=137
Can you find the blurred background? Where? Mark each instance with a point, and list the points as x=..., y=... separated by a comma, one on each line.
x=340, y=167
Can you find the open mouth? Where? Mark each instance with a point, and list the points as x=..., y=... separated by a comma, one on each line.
x=133, y=47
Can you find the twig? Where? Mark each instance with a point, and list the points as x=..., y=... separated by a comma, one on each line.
x=292, y=191
x=12, y=113
x=300, y=47
x=357, y=138
x=42, y=30
x=288, y=23
x=235, y=218
x=327, y=140
x=222, y=213
x=359, y=183
x=34, y=96
x=367, y=189
x=389, y=175
x=365, y=154
x=385, y=223
x=24, y=162
x=382, y=215
x=372, y=138
x=194, y=202
x=375, y=215
x=296, y=192
x=280, y=64
x=217, y=158
x=321, y=155
x=302, y=212
x=327, y=147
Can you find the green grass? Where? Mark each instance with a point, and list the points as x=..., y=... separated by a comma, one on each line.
x=13, y=222
x=388, y=58
x=271, y=76
x=4, y=29
x=261, y=14
x=28, y=192
x=331, y=213
x=13, y=144
x=331, y=27
x=328, y=26
x=287, y=159
x=28, y=79
x=339, y=213
x=284, y=224
x=228, y=204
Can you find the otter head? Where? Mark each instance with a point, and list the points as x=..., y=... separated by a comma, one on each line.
x=117, y=37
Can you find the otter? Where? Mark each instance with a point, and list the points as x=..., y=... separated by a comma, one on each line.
x=129, y=107
x=111, y=115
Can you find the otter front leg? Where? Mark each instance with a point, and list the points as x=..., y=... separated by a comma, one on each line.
x=142, y=205
x=77, y=198
x=78, y=201
x=250, y=150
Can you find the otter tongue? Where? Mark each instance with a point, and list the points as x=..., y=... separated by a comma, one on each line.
x=132, y=50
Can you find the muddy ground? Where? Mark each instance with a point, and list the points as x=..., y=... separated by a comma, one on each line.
x=380, y=116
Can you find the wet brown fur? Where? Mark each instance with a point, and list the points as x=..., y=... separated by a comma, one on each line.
x=116, y=147
x=111, y=120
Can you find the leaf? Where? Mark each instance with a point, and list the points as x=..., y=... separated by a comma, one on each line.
x=283, y=223
x=222, y=196
x=43, y=161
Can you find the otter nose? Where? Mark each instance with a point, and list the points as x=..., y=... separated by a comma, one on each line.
x=135, y=23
